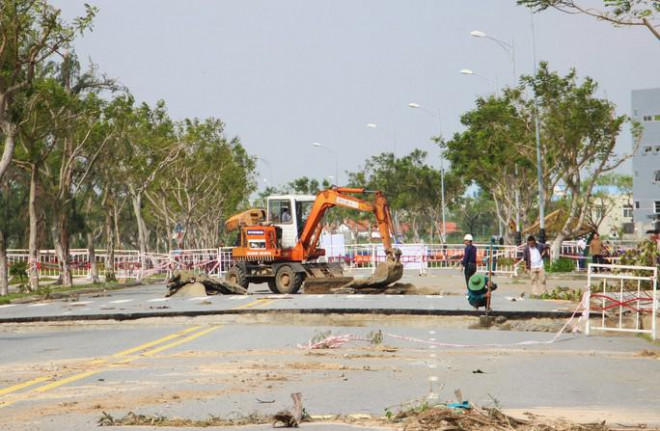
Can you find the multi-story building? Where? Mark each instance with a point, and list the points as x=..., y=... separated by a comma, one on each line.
x=646, y=161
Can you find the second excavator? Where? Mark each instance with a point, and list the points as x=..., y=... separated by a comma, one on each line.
x=279, y=245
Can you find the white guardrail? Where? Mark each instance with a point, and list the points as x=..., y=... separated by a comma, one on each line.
x=622, y=295
x=420, y=258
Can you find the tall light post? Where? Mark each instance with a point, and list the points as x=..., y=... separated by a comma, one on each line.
x=442, y=167
x=377, y=127
x=318, y=145
x=510, y=50
x=489, y=79
x=506, y=46
x=537, y=124
x=270, y=170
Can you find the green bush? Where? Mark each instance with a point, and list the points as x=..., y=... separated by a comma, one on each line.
x=562, y=264
x=19, y=270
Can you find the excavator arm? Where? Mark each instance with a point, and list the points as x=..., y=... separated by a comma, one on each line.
x=342, y=197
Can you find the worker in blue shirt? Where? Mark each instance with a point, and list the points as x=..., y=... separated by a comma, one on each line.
x=469, y=260
x=478, y=290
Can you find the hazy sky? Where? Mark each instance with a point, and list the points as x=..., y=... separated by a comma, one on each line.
x=285, y=74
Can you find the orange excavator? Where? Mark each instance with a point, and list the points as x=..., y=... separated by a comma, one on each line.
x=279, y=245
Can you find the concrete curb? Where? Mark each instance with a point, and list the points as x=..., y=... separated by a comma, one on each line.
x=513, y=315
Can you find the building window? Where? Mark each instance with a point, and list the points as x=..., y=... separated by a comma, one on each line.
x=627, y=211
x=657, y=207
x=646, y=118
x=648, y=149
x=636, y=204
x=656, y=176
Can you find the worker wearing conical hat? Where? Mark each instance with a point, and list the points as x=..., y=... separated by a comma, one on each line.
x=478, y=292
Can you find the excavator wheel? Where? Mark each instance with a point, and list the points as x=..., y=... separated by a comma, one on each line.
x=236, y=275
x=272, y=286
x=287, y=280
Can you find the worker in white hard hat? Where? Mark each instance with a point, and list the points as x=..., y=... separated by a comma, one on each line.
x=469, y=261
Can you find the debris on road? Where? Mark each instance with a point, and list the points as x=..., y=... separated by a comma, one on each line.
x=290, y=418
x=444, y=417
x=187, y=283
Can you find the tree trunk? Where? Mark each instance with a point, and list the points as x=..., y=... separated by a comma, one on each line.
x=33, y=245
x=4, y=276
x=110, y=246
x=62, y=226
x=9, y=131
x=142, y=238
x=93, y=267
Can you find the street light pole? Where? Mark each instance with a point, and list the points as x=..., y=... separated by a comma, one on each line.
x=491, y=80
x=377, y=127
x=510, y=50
x=537, y=124
x=270, y=170
x=318, y=145
x=442, y=169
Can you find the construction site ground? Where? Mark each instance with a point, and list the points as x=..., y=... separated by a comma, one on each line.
x=64, y=366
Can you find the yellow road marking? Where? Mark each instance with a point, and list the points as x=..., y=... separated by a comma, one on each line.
x=23, y=385
x=184, y=340
x=264, y=302
x=64, y=381
x=123, y=353
x=254, y=304
x=155, y=342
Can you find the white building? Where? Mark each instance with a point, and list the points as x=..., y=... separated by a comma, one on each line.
x=646, y=161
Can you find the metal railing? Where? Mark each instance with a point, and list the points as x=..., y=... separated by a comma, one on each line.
x=623, y=295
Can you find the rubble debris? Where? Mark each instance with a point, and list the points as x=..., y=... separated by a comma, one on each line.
x=188, y=283
x=484, y=419
x=290, y=418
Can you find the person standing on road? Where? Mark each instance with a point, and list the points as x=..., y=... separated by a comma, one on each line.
x=469, y=261
x=533, y=255
x=596, y=251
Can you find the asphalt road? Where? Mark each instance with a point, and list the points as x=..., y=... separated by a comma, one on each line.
x=64, y=375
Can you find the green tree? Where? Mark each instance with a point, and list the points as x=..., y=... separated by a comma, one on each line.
x=617, y=12
x=31, y=31
x=496, y=152
x=580, y=133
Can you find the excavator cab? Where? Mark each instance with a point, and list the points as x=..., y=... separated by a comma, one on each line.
x=289, y=213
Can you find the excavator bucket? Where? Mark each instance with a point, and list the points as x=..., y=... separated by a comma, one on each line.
x=386, y=273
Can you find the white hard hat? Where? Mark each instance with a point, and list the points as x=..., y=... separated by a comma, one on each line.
x=468, y=237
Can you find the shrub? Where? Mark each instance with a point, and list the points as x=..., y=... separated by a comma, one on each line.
x=562, y=264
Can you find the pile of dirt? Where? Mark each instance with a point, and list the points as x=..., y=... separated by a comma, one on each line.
x=187, y=283
x=478, y=419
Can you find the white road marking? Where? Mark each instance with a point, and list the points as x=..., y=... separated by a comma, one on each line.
x=81, y=303
x=38, y=305
x=121, y=301
x=238, y=298
x=7, y=305
x=158, y=299
x=198, y=298
x=355, y=296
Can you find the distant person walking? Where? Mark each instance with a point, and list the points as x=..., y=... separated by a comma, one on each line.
x=596, y=249
x=469, y=261
x=533, y=255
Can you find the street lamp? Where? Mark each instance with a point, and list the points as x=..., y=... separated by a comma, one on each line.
x=270, y=170
x=442, y=168
x=491, y=80
x=506, y=46
x=511, y=53
x=377, y=127
x=318, y=145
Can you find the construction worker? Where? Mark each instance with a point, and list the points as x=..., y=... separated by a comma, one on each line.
x=479, y=288
x=469, y=260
